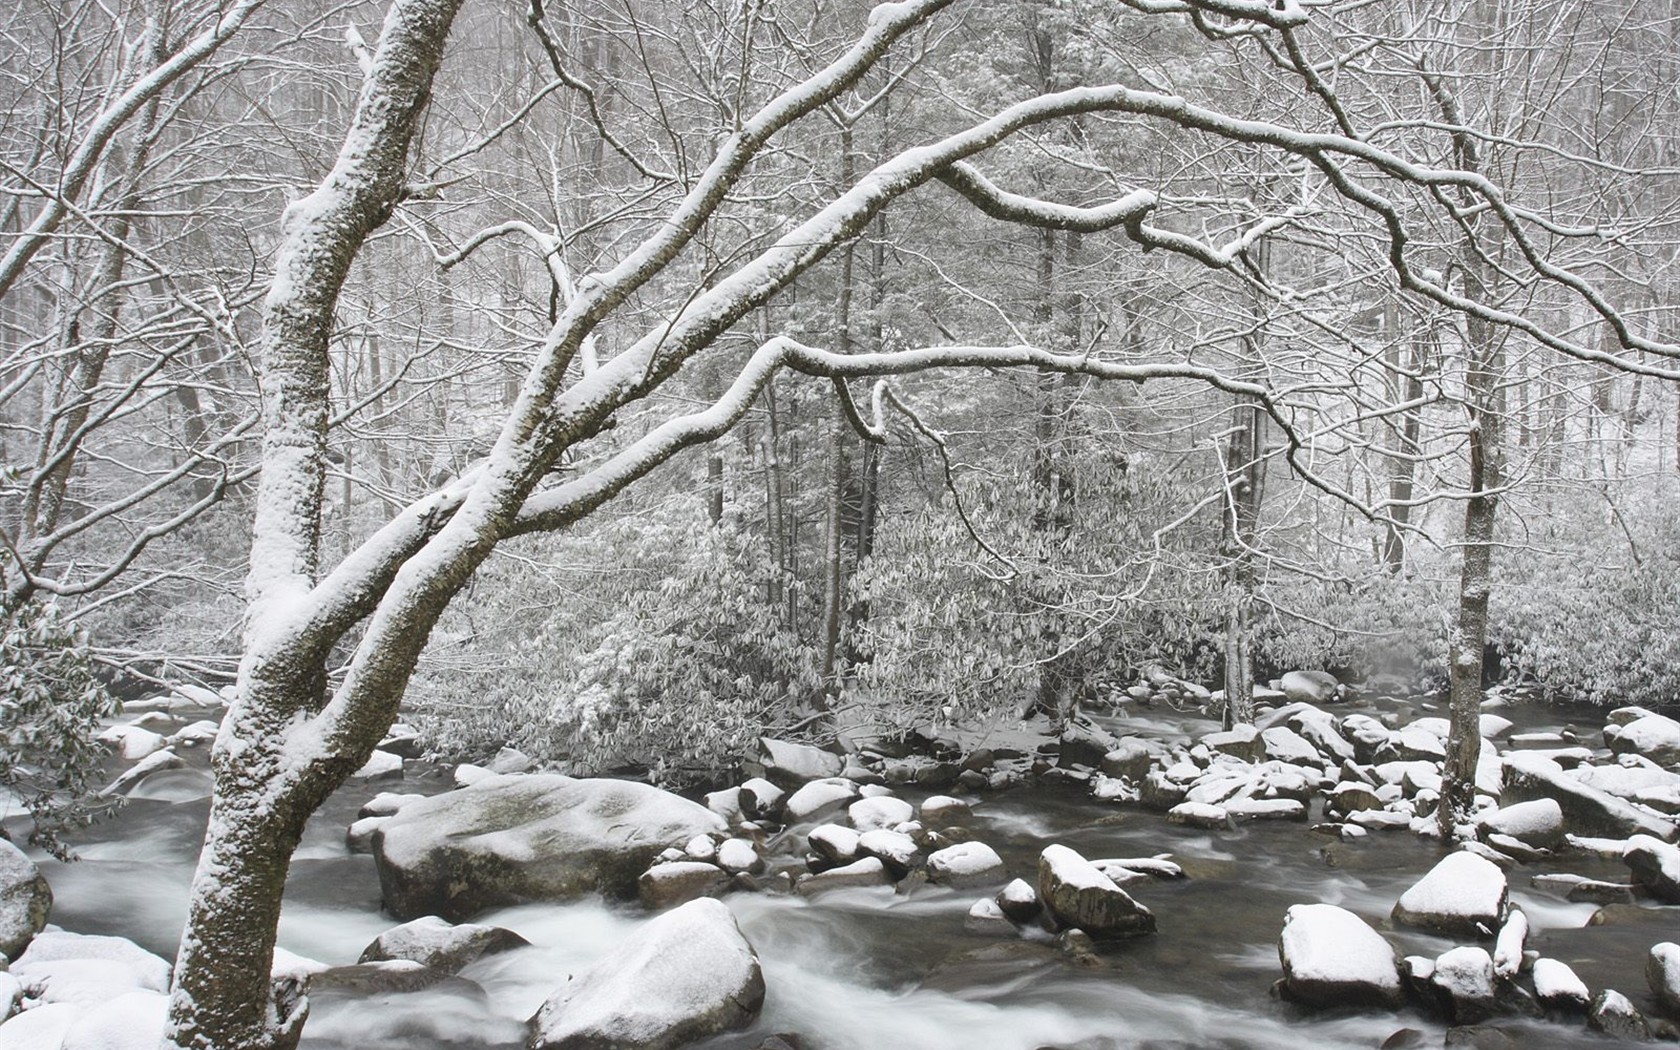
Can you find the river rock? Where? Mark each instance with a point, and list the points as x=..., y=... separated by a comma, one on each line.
x=1199, y=815
x=1079, y=895
x=130, y=1021
x=1656, y=737
x=1613, y=1015
x=131, y=742
x=686, y=975
x=985, y=917
x=1131, y=757
x=894, y=848
x=1656, y=867
x=867, y=871
x=834, y=843
x=1283, y=744
x=882, y=811
x=435, y=943
x=759, y=799
x=1240, y=741
x=1463, y=980
x=381, y=765
x=789, y=765
x=1586, y=810
x=941, y=810
x=1662, y=973
x=1309, y=687
x=1084, y=745
x=965, y=864
x=1463, y=894
x=513, y=839
x=1019, y=901
x=667, y=885
x=820, y=797
x=1538, y=823
x=358, y=837
x=1332, y=958
x=1558, y=988
x=25, y=900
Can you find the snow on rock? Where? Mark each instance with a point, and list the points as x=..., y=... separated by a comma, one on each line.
x=1462, y=894
x=820, y=796
x=1266, y=809
x=882, y=811
x=1199, y=815
x=1656, y=867
x=834, y=843
x=1240, y=741
x=132, y=1021
x=512, y=839
x=988, y=918
x=381, y=765
x=1331, y=957
x=1153, y=867
x=25, y=900
x=1508, y=946
x=62, y=967
x=152, y=763
x=1662, y=972
x=1492, y=727
x=667, y=885
x=1557, y=987
x=1586, y=810
x=738, y=855
x=788, y=764
x=131, y=742
x=436, y=943
x=1079, y=895
x=1413, y=744
x=1538, y=823
x=197, y=734
x=965, y=864
x=1628, y=781
x=40, y=1028
x=941, y=810
x=867, y=871
x=760, y=799
x=1311, y=687
x=386, y=804
x=467, y=774
x=686, y=975
x=894, y=848
x=1657, y=737
x=358, y=837
x=1463, y=976
x=1285, y=745
x=1019, y=901
x=1613, y=1015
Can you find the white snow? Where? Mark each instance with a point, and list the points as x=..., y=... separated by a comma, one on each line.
x=797, y=762
x=834, y=842
x=380, y=766
x=1070, y=869
x=942, y=809
x=70, y=967
x=40, y=1028
x=689, y=961
x=966, y=862
x=819, y=795
x=1286, y=745
x=1266, y=808
x=1526, y=821
x=1662, y=972
x=1508, y=949
x=133, y=1021
x=131, y=742
x=1465, y=972
x=894, y=847
x=1462, y=889
x=701, y=847
x=882, y=811
x=738, y=855
x=1323, y=942
x=1198, y=815
x=1652, y=734
x=1555, y=980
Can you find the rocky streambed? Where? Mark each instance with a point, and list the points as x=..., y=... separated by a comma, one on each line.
x=1128, y=883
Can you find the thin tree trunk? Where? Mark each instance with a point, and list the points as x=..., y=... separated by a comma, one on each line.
x=1402, y=483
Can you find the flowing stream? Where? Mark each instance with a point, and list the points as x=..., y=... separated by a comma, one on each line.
x=871, y=969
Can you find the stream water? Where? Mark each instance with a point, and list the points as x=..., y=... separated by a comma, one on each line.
x=869, y=969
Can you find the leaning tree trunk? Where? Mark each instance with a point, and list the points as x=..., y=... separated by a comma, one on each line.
x=222, y=997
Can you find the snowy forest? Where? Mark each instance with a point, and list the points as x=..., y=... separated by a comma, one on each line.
x=794, y=525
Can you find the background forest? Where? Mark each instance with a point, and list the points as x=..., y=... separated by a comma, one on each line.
x=1024, y=538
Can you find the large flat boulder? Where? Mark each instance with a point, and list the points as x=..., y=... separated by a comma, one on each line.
x=434, y=943
x=1332, y=958
x=1586, y=810
x=518, y=838
x=1463, y=894
x=686, y=975
x=789, y=765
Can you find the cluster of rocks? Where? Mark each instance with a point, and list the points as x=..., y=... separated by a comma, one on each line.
x=1332, y=958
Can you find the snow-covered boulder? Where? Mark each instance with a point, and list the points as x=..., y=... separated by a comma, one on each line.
x=358, y=837
x=758, y=799
x=789, y=765
x=1586, y=810
x=686, y=975
x=1612, y=1014
x=819, y=797
x=1199, y=815
x=1079, y=895
x=1283, y=744
x=1332, y=958
x=1019, y=901
x=131, y=1021
x=894, y=848
x=965, y=864
x=131, y=742
x=667, y=885
x=1656, y=737
x=1463, y=981
x=866, y=871
x=512, y=839
x=985, y=917
x=62, y=967
x=1558, y=988
x=25, y=900
x=1082, y=744
x=882, y=811
x=1463, y=894
x=834, y=843
x=1538, y=823
x=41, y=1028
x=381, y=765
x=1656, y=867
x=1662, y=972
x=1309, y=687
x=431, y=941
x=386, y=804
x=1240, y=741
x=943, y=810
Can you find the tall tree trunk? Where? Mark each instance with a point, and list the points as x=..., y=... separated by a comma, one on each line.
x=839, y=474
x=1408, y=447
x=1245, y=472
